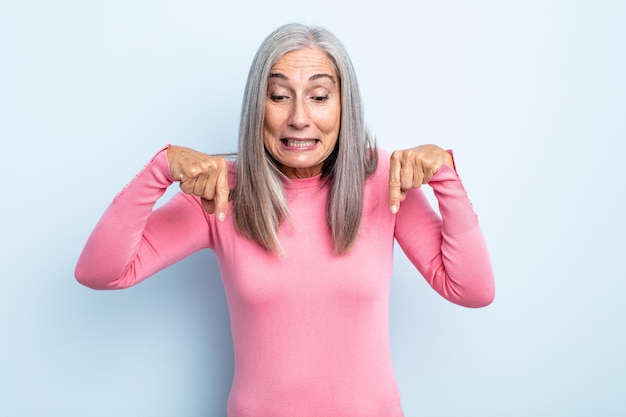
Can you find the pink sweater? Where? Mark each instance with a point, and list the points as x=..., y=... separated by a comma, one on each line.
x=310, y=329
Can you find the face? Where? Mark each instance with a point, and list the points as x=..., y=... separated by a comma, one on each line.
x=302, y=112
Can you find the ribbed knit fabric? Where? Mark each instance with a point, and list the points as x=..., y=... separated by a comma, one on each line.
x=310, y=329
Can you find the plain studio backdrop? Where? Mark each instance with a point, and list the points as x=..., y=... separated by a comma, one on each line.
x=529, y=94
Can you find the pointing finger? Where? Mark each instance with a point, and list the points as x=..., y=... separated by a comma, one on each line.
x=221, y=193
x=395, y=185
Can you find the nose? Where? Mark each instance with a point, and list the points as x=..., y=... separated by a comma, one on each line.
x=299, y=117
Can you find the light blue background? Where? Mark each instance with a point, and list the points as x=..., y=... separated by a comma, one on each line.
x=529, y=94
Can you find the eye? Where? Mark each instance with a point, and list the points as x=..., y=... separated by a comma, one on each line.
x=278, y=97
x=320, y=99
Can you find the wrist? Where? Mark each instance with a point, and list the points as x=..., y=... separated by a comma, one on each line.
x=449, y=159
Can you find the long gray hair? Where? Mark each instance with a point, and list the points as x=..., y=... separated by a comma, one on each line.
x=259, y=200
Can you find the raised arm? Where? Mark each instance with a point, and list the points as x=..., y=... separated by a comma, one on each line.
x=132, y=241
x=449, y=251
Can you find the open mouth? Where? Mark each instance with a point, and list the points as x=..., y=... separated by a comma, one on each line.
x=299, y=143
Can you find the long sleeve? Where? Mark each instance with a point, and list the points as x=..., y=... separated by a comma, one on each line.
x=132, y=241
x=449, y=251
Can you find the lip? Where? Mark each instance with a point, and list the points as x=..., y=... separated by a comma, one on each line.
x=299, y=144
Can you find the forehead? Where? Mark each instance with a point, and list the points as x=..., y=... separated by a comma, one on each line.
x=305, y=60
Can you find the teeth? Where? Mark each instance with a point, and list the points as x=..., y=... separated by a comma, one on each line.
x=300, y=143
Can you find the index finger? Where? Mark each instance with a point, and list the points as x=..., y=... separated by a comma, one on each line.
x=221, y=193
x=395, y=184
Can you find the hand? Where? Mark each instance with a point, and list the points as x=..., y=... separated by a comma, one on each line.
x=413, y=167
x=203, y=175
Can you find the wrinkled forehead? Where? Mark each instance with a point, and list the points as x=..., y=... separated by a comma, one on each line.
x=309, y=61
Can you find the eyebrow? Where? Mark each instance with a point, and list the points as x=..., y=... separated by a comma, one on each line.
x=311, y=78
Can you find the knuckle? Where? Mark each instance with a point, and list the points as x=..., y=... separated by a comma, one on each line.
x=395, y=183
x=208, y=193
x=223, y=190
x=193, y=170
x=396, y=156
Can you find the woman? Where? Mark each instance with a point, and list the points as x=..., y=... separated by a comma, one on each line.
x=303, y=225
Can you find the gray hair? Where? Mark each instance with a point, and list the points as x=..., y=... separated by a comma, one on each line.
x=259, y=200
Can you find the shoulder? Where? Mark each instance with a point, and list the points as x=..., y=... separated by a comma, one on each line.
x=382, y=166
x=383, y=156
x=378, y=181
